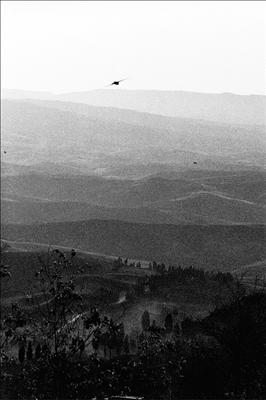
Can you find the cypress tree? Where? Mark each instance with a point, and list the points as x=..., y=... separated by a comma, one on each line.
x=21, y=354
x=29, y=352
x=145, y=320
x=126, y=345
x=38, y=351
x=168, y=323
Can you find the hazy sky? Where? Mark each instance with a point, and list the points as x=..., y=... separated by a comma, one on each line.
x=63, y=46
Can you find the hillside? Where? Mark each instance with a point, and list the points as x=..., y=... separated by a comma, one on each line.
x=23, y=266
x=224, y=107
x=200, y=207
x=35, y=133
x=211, y=247
x=215, y=208
x=28, y=211
x=195, y=197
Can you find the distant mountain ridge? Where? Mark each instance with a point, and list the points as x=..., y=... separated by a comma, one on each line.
x=224, y=107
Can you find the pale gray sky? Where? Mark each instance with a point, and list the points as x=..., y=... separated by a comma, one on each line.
x=63, y=46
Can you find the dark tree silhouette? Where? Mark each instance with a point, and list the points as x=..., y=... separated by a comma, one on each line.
x=168, y=323
x=145, y=320
x=176, y=330
x=38, y=351
x=21, y=354
x=29, y=352
x=126, y=345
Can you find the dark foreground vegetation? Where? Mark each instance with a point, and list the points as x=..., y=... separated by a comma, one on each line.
x=220, y=356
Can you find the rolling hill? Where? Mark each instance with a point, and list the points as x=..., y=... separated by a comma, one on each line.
x=34, y=133
x=224, y=107
x=188, y=198
x=200, y=207
x=215, y=208
x=211, y=247
x=25, y=211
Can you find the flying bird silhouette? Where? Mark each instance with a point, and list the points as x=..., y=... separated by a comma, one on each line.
x=116, y=83
x=195, y=162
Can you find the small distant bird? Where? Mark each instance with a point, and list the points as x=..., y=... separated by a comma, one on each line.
x=195, y=162
x=4, y=152
x=116, y=83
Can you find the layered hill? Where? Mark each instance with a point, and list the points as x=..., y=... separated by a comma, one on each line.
x=213, y=207
x=158, y=169
x=51, y=132
x=25, y=211
x=224, y=107
x=212, y=247
x=202, y=198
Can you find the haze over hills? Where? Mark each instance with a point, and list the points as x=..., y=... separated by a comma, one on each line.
x=36, y=133
x=139, y=181
x=224, y=107
x=56, y=152
x=25, y=94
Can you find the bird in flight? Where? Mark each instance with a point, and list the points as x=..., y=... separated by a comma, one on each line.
x=195, y=162
x=116, y=83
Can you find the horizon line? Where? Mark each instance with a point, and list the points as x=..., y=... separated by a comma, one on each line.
x=129, y=90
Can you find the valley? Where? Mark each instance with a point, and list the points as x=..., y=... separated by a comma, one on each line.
x=176, y=188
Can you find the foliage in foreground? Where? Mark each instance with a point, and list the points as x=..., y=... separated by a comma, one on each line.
x=221, y=356
x=224, y=358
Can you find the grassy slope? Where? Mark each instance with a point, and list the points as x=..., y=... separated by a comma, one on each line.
x=211, y=247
